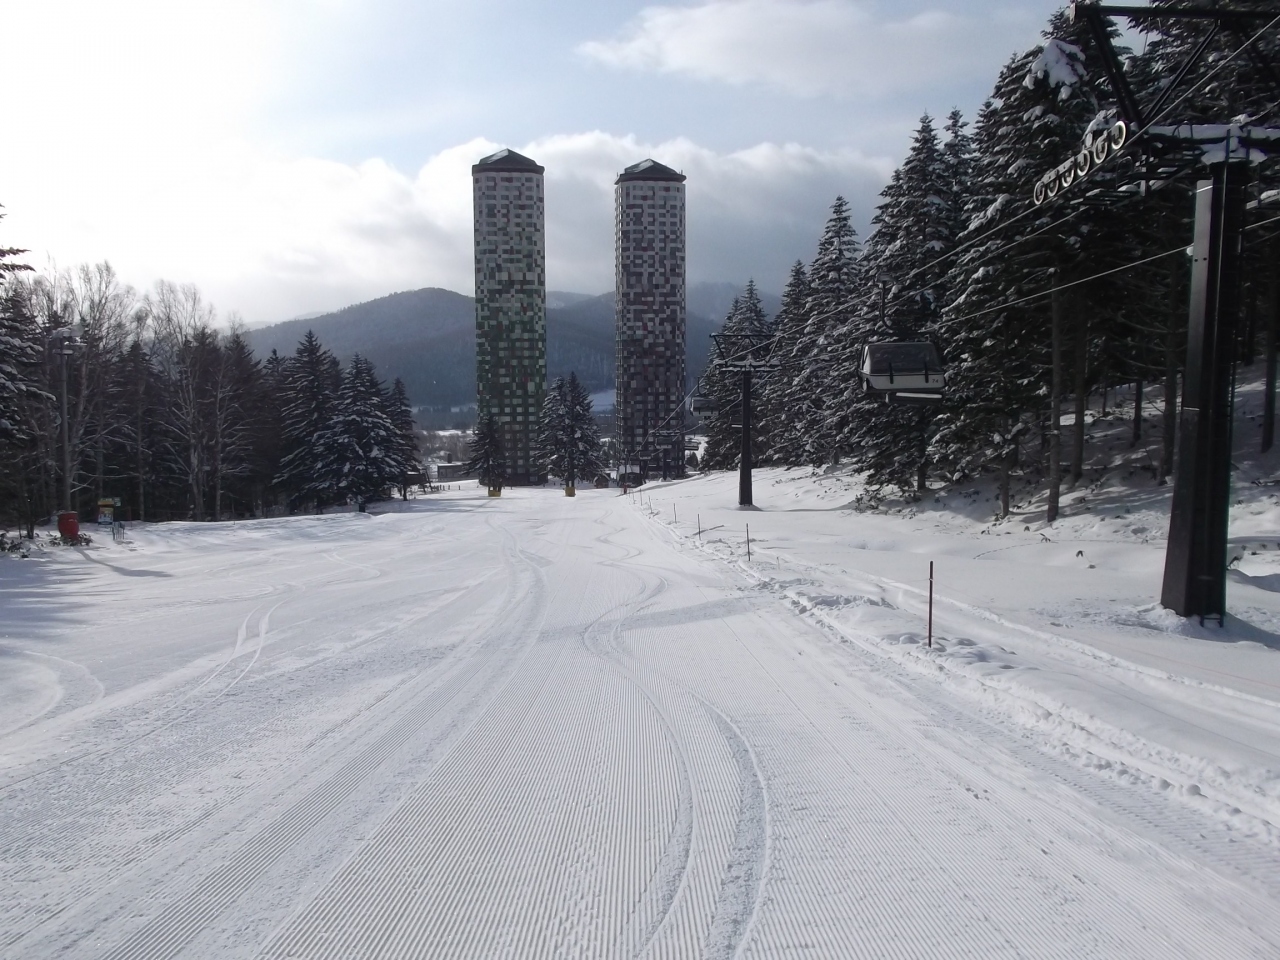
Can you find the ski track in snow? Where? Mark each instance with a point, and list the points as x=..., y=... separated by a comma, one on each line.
x=531, y=727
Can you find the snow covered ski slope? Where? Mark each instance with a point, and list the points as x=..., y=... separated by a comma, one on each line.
x=545, y=727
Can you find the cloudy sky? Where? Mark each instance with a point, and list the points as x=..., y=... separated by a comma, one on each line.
x=291, y=156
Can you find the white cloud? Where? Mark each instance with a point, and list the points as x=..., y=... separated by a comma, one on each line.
x=272, y=237
x=812, y=47
x=133, y=135
x=751, y=212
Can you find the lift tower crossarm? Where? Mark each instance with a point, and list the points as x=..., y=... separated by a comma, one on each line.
x=742, y=353
x=1095, y=14
x=1170, y=13
x=1126, y=101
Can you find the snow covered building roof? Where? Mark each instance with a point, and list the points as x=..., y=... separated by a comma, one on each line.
x=506, y=161
x=649, y=170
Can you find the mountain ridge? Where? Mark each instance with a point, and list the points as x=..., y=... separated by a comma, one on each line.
x=426, y=337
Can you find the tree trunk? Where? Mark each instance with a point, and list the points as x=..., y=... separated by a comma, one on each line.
x=139, y=466
x=197, y=491
x=1136, y=437
x=1250, y=339
x=1169, y=416
x=1057, y=308
x=28, y=502
x=922, y=465
x=100, y=465
x=1269, y=355
x=1081, y=398
x=1008, y=462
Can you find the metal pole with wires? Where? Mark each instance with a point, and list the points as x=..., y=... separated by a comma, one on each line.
x=1195, y=560
x=748, y=355
x=744, y=457
x=930, y=604
x=1195, y=573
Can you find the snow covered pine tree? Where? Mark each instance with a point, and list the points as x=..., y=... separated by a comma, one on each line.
x=312, y=377
x=835, y=280
x=408, y=460
x=568, y=439
x=359, y=451
x=488, y=462
x=724, y=441
x=913, y=228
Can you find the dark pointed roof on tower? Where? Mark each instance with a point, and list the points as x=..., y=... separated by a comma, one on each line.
x=649, y=170
x=506, y=161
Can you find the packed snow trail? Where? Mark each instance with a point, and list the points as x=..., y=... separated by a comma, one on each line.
x=531, y=727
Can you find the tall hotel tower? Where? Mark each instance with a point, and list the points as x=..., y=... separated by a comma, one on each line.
x=650, y=312
x=511, y=303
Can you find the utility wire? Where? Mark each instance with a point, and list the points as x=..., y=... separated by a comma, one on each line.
x=1040, y=294
x=1073, y=283
x=1001, y=250
x=1261, y=223
x=1163, y=113
x=858, y=301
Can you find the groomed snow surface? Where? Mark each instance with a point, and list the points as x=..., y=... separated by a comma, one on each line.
x=537, y=726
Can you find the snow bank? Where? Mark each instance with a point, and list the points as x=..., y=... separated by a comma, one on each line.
x=1057, y=629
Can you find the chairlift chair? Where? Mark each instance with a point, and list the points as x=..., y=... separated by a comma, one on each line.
x=701, y=406
x=904, y=372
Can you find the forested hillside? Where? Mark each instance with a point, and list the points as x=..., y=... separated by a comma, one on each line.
x=1039, y=310
x=427, y=338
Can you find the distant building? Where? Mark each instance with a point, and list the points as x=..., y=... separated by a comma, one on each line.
x=511, y=303
x=447, y=472
x=649, y=249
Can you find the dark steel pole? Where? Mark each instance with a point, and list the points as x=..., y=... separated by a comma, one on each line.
x=930, y=604
x=1269, y=353
x=744, y=466
x=1195, y=572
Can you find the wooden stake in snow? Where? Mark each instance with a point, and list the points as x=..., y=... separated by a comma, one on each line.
x=673, y=514
x=748, y=541
x=930, y=604
x=699, y=516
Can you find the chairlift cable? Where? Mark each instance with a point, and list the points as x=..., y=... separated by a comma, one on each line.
x=1164, y=113
x=1000, y=250
x=1074, y=283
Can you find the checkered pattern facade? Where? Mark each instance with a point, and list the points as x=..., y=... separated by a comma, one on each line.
x=649, y=245
x=511, y=303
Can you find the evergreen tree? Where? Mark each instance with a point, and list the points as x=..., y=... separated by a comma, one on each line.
x=780, y=420
x=312, y=378
x=817, y=394
x=408, y=460
x=569, y=444
x=359, y=450
x=488, y=460
x=145, y=446
x=19, y=358
x=551, y=424
x=746, y=318
x=19, y=354
x=889, y=442
x=957, y=175
x=268, y=435
x=233, y=401
x=999, y=350
x=1223, y=85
